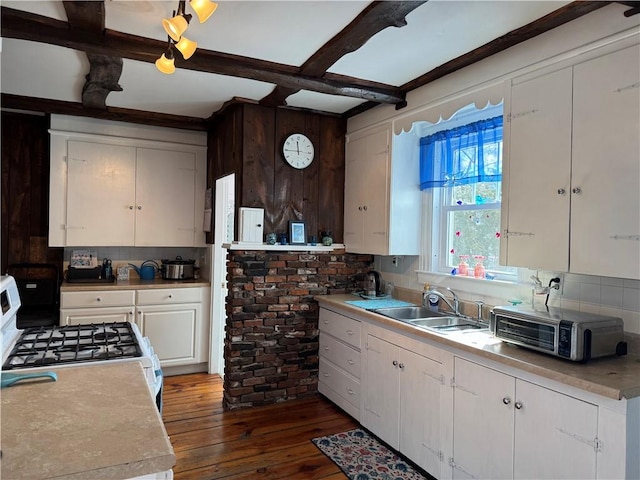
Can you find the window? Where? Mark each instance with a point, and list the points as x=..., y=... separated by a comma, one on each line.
x=461, y=175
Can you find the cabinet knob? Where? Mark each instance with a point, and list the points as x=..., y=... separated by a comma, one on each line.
x=506, y=400
x=139, y=207
x=360, y=208
x=395, y=363
x=130, y=207
x=577, y=190
x=326, y=349
x=98, y=299
x=349, y=332
x=401, y=365
x=364, y=208
x=561, y=191
x=350, y=391
x=518, y=405
x=170, y=296
x=350, y=362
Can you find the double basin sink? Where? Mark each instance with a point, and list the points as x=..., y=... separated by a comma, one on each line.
x=427, y=319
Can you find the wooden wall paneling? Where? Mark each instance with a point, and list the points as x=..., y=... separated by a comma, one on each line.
x=331, y=176
x=259, y=145
x=311, y=177
x=25, y=191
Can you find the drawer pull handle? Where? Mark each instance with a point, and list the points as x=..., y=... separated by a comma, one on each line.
x=350, y=362
x=326, y=348
x=326, y=322
x=325, y=374
x=349, y=332
x=350, y=391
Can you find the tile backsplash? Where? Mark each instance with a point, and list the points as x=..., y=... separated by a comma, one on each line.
x=601, y=295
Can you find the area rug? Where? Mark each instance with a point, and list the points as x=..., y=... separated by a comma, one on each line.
x=362, y=457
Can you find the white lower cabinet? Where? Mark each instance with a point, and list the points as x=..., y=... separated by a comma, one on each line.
x=505, y=427
x=403, y=393
x=176, y=321
x=339, y=368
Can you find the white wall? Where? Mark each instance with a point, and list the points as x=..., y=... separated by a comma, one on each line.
x=608, y=296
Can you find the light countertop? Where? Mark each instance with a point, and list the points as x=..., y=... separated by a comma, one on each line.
x=132, y=284
x=613, y=377
x=95, y=422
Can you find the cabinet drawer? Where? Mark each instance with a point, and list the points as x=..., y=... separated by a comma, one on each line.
x=341, y=327
x=342, y=383
x=342, y=355
x=98, y=298
x=168, y=296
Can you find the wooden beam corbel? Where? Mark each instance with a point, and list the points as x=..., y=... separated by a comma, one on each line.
x=104, y=70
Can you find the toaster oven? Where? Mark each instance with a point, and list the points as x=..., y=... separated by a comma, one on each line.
x=577, y=336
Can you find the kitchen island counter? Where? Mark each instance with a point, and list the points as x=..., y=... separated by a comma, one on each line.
x=95, y=422
x=612, y=377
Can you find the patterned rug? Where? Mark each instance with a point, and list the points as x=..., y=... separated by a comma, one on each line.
x=362, y=457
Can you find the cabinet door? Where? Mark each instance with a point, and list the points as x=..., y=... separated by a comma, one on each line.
x=482, y=422
x=421, y=384
x=381, y=397
x=165, y=198
x=555, y=435
x=605, y=224
x=77, y=316
x=354, y=164
x=100, y=194
x=375, y=177
x=173, y=331
x=538, y=167
x=366, y=214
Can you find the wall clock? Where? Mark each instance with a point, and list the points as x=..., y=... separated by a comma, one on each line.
x=298, y=151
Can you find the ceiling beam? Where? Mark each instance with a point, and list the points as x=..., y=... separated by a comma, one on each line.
x=104, y=70
x=28, y=26
x=550, y=21
x=18, y=102
x=373, y=19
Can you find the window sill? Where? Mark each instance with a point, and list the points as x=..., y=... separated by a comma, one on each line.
x=479, y=287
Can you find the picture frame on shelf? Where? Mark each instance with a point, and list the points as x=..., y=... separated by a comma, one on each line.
x=297, y=233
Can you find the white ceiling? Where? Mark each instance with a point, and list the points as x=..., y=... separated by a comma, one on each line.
x=286, y=32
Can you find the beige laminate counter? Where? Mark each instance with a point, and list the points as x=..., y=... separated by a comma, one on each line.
x=613, y=377
x=132, y=284
x=95, y=422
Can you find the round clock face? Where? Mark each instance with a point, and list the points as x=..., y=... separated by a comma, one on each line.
x=298, y=151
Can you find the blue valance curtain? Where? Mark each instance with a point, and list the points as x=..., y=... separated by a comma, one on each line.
x=468, y=154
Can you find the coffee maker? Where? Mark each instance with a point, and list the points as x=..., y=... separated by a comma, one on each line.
x=372, y=284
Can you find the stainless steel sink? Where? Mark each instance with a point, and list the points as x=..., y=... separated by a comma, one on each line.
x=448, y=324
x=427, y=319
x=408, y=313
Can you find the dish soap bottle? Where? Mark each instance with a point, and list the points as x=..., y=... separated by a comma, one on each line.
x=432, y=299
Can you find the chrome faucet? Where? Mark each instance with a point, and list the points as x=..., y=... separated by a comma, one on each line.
x=453, y=307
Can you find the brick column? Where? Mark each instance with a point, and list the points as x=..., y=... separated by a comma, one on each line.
x=271, y=340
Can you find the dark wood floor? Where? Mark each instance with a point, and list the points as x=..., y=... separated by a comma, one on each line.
x=261, y=443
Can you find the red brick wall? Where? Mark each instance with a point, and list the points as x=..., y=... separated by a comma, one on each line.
x=271, y=341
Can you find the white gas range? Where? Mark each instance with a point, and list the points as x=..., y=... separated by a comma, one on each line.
x=38, y=348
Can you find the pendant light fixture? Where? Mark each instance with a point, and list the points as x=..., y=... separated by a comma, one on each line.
x=166, y=62
x=175, y=28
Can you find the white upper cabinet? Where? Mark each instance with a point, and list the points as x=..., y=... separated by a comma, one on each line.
x=571, y=183
x=100, y=194
x=108, y=191
x=605, y=174
x=382, y=197
x=165, y=197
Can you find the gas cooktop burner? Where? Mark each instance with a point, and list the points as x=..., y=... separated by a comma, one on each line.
x=40, y=346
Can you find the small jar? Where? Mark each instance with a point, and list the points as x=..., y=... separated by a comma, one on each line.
x=327, y=238
x=463, y=266
x=271, y=238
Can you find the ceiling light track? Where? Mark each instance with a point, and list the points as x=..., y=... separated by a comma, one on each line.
x=175, y=28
